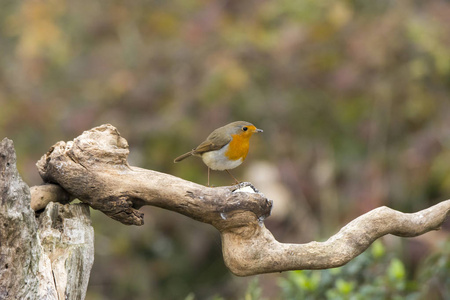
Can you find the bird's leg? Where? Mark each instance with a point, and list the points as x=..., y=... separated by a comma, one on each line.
x=208, y=176
x=237, y=181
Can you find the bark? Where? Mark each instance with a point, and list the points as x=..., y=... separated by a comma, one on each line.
x=93, y=167
x=49, y=257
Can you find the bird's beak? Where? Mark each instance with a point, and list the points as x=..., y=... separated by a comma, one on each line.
x=259, y=130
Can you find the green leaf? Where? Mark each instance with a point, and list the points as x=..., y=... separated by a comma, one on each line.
x=377, y=249
x=345, y=287
x=396, y=270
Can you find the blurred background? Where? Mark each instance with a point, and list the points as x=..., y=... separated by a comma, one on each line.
x=353, y=98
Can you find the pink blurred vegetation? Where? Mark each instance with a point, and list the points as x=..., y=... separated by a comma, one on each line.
x=353, y=97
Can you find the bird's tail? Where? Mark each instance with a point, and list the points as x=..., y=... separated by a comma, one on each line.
x=181, y=157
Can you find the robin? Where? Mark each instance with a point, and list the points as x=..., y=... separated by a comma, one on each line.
x=225, y=148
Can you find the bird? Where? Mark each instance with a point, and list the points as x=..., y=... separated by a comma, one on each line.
x=225, y=148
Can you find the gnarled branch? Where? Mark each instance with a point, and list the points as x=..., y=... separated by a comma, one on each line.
x=93, y=168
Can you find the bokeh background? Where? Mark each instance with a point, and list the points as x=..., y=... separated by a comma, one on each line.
x=353, y=97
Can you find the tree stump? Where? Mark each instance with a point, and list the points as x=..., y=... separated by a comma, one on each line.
x=45, y=257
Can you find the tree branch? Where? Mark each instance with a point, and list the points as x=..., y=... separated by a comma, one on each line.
x=263, y=254
x=41, y=195
x=93, y=168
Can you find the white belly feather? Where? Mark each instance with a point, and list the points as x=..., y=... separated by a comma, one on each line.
x=217, y=160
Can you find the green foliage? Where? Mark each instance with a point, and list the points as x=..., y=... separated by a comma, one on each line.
x=372, y=275
x=254, y=291
x=434, y=274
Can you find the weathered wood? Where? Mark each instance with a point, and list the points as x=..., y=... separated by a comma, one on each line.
x=41, y=195
x=45, y=258
x=67, y=240
x=19, y=242
x=93, y=167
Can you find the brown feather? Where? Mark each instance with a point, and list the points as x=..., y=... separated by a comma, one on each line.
x=181, y=157
x=211, y=145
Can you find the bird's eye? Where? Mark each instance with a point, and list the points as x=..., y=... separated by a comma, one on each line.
x=244, y=128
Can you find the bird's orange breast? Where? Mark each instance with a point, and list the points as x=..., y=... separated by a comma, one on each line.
x=238, y=147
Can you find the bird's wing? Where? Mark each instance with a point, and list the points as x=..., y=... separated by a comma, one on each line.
x=213, y=142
